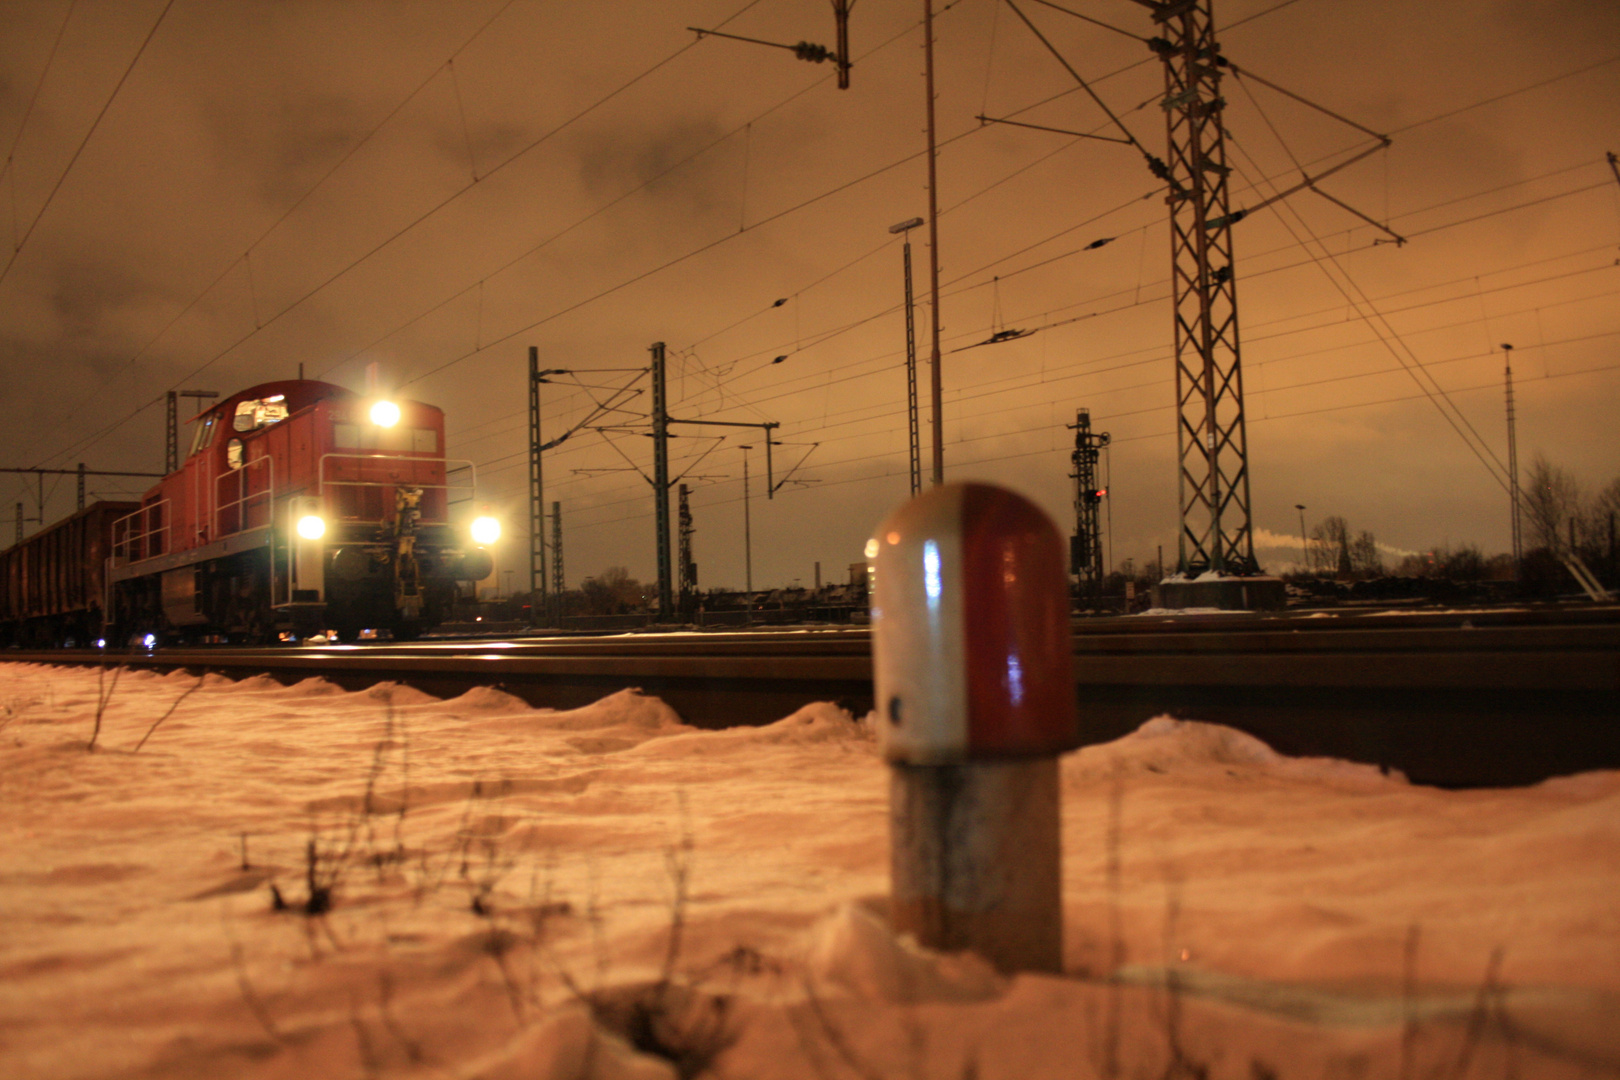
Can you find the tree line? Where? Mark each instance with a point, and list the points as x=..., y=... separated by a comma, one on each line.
x=1559, y=517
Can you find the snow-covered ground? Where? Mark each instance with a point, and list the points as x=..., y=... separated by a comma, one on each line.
x=513, y=891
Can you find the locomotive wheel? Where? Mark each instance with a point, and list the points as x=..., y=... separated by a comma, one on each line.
x=407, y=630
x=348, y=633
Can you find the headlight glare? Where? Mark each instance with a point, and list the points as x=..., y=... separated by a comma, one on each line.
x=486, y=530
x=311, y=527
x=385, y=414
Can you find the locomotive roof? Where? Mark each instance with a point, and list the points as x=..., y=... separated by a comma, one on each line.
x=300, y=394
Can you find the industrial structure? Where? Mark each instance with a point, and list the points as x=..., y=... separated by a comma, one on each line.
x=1086, y=561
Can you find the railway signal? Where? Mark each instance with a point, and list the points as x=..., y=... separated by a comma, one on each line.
x=1085, y=546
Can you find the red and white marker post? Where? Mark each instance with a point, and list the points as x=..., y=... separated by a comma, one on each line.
x=975, y=691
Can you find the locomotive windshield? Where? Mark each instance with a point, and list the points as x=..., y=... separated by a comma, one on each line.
x=258, y=413
x=203, y=435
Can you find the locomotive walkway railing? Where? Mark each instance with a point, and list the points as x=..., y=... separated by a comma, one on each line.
x=251, y=508
x=142, y=534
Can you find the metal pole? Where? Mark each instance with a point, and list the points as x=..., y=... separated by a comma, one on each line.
x=841, y=17
x=912, y=426
x=770, y=476
x=556, y=562
x=81, y=485
x=1304, y=550
x=1512, y=462
x=537, y=495
x=687, y=568
x=936, y=392
x=19, y=523
x=171, y=434
x=660, y=426
x=748, y=537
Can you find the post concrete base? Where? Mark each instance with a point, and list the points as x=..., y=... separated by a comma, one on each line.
x=1226, y=593
x=975, y=857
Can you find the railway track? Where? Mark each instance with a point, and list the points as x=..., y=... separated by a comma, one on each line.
x=1457, y=698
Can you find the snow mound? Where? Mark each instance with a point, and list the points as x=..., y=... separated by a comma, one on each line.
x=1202, y=742
x=1172, y=747
x=817, y=722
x=394, y=693
x=254, y=684
x=1586, y=785
x=569, y=1046
x=820, y=723
x=628, y=708
x=855, y=950
x=487, y=699
x=314, y=686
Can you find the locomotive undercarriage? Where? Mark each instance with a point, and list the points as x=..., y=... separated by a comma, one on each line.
x=369, y=584
x=373, y=580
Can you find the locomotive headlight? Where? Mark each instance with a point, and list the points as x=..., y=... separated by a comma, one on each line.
x=485, y=530
x=385, y=414
x=311, y=527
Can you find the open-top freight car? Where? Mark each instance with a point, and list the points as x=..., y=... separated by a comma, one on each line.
x=300, y=507
x=53, y=585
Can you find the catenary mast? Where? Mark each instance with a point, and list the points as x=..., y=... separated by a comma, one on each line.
x=1211, y=435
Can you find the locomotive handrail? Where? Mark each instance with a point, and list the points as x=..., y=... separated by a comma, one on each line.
x=132, y=545
x=242, y=501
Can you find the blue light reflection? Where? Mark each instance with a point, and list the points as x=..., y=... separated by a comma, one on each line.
x=931, y=579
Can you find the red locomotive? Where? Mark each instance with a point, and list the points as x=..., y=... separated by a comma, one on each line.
x=300, y=507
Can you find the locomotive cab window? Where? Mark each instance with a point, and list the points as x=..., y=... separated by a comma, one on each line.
x=203, y=435
x=393, y=440
x=256, y=413
x=233, y=453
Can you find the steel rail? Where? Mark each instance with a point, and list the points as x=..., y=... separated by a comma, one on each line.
x=1450, y=698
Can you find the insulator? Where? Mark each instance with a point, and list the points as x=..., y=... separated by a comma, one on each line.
x=816, y=54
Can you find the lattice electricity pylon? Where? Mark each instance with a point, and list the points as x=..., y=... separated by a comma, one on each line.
x=1211, y=435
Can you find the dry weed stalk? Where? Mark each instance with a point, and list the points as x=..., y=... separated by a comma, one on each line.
x=1409, y=1026
x=672, y=1018
x=1180, y=1066
x=1113, y=842
x=193, y=688
x=251, y=997
x=104, y=693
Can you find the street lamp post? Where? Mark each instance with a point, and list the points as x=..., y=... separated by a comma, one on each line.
x=1304, y=553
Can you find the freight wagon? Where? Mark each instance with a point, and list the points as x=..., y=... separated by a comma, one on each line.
x=53, y=585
